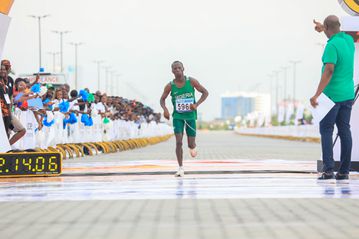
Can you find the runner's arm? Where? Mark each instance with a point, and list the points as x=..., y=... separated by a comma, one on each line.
x=200, y=88
x=164, y=96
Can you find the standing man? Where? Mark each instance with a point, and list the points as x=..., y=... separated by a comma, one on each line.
x=10, y=122
x=338, y=84
x=15, y=125
x=182, y=90
x=6, y=66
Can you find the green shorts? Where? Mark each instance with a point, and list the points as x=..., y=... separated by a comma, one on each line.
x=179, y=126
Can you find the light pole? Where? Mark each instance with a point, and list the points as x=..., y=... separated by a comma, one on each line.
x=285, y=70
x=270, y=76
x=39, y=18
x=276, y=73
x=107, y=71
x=118, y=84
x=76, y=45
x=112, y=85
x=53, y=54
x=98, y=63
x=61, y=34
x=295, y=63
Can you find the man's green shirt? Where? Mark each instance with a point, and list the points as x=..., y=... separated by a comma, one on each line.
x=340, y=52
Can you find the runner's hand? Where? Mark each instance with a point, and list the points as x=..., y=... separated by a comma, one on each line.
x=319, y=27
x=193, y=106
x=166, y=114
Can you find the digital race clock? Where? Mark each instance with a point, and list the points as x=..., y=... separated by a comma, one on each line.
x=30, y=164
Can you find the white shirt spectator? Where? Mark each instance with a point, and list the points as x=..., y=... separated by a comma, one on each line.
x=100, y=107
x=74, y=106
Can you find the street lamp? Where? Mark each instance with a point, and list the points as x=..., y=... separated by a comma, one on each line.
x=107, y=70
x=39, y=18
x=98, y=63
x=295, y=63
x=276, y=73
x=61, y=34
x=112, y=85
x=285, y=70
x=118, y=83
x=270, y=76
x=53, y=54
x=76, y=45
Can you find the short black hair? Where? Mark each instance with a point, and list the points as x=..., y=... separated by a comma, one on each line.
x=74, y=93
x=18, y=80
x=177, y=62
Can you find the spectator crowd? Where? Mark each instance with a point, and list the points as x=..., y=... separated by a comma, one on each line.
x=34, y=108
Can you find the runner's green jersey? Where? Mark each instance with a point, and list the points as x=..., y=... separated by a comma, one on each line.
x=182, y=98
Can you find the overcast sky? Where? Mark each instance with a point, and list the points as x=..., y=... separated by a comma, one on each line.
x=228, y=45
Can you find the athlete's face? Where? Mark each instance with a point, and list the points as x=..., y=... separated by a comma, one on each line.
x=177, y=69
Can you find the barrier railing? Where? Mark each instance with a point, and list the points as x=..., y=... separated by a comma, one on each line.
x=303, y=132
x=77, y=140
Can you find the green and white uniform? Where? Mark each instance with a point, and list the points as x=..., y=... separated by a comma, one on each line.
x=182, y=115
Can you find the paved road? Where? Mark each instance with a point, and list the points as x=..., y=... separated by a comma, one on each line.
x=254, y=205
x=226, y=145
x=187, y=219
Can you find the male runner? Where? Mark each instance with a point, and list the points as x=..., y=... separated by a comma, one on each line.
x=182, y=90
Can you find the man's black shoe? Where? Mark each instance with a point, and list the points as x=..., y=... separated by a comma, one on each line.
x=326, y=177
x=342, y=178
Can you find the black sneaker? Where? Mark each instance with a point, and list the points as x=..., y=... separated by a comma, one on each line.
x=326, y=177
x=342, y=178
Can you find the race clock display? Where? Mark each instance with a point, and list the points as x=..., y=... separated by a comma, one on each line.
x=30, y=164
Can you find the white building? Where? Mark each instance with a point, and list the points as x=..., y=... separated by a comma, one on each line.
x=244, y=103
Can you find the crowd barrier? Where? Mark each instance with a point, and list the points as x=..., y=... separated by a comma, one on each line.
x=77, y=140
x=303, y=132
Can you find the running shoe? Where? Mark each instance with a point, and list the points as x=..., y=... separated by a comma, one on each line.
x=193, y=152
x=179, y=173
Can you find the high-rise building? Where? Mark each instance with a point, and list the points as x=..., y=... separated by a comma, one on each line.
x=243, y=103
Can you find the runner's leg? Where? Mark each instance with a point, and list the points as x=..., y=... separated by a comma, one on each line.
x=191, y=137
x=179, y=149
x=191, y=142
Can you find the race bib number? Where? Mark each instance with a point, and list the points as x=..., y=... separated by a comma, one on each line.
x=184, y=105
